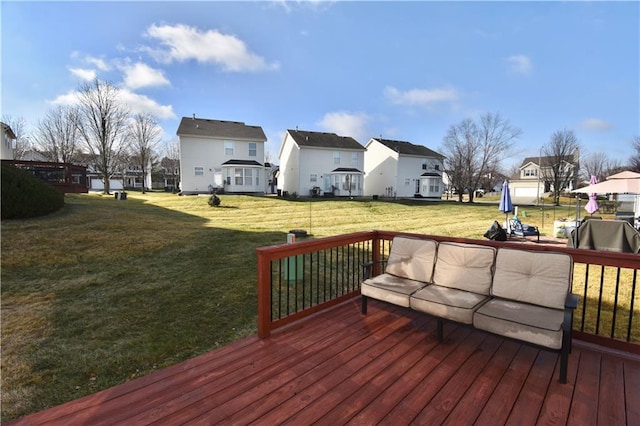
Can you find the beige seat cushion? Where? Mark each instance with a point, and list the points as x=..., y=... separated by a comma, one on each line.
x=538, y=278
x=390, y=288
x=535, y=324
x=412, y=258
x=466, y=267
x=449, y=303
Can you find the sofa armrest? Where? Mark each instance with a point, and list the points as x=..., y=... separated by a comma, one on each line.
x=571, y=301
x=367, y=268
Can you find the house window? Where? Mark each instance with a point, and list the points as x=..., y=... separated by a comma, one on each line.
x=313, y=177
x=407, y=181
x=354, y=158
x=336, y=157
x=253, y=149
x=228, y=148
x=424, y=164
x=530, y=172
x=198, y=171
x=437, y=167
x=243, y=177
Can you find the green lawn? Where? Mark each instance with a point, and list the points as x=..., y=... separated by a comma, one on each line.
x=108, y=290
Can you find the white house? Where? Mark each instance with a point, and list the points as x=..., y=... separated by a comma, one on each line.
x=7, y=142
x=402, y=169
x=315, y=163
x=216, y=154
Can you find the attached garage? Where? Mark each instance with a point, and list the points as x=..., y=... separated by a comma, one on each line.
x=114, y=184
x=525, y=192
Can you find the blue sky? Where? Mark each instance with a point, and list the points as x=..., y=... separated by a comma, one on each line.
x=403, y=70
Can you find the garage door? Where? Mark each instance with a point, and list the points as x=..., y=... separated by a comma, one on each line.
x=97, y=185
x=525, y=192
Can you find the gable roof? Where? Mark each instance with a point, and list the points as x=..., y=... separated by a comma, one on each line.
x=7, y=129
x=324, y=140
x=407, y=148
x=545, y=161
x=192, y=126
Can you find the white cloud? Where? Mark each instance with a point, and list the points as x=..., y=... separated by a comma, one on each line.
x=182, y=43
x=313, y=5
x=595, y=124
x=346, y=124
x=135, y=102
x=84, y=74
x=520, y=64
x=98, y=63
x=140, y=103
x=418, y=97
x=69, y=98
x=142, y=75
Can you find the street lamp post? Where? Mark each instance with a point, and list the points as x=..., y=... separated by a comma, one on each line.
x=539, y=171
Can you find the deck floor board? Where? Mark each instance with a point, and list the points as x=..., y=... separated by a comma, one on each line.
x=387, y=367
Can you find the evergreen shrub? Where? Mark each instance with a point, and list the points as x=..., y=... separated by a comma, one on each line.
x=25, y=196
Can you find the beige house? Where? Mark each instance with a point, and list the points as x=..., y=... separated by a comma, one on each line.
x=532, y=183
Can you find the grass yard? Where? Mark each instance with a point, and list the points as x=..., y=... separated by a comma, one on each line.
x=107, y=290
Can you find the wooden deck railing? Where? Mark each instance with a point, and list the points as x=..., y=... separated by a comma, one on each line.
x=298, y=279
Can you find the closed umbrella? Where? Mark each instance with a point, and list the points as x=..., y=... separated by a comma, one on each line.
x=592, y=205
x=506, y=206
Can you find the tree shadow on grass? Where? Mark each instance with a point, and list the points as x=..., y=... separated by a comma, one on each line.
x=107, y=290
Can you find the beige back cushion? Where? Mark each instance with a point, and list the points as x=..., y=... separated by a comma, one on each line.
x=538, y=278
x=464, y=266
x=412, y=258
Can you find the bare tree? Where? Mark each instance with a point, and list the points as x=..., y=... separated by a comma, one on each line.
x=473, y=150
x=103, y=124
x=19, y=127
x=144, y=135
x=57, y=136
x=634, y=161
x=170, y=164
x=599, y=165
x=561, y=164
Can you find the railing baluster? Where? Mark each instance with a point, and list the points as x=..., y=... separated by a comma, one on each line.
x=633, y=296
x=615, y=305
x=584, y=297
x=600, y=300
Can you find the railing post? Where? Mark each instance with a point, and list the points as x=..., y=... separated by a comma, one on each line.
x=264, y=296
x=375, y=270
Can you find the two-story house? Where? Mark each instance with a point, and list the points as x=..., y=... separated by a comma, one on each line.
x=402, y=169
x=318, y=163
x=535, y=178
x=7, y=142
x=221, y=155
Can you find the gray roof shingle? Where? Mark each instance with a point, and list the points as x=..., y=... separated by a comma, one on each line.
x=407, y=148
x=546, y=161
x=191, y=126
x=324, y=140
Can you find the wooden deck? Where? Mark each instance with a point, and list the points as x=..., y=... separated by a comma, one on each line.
x=387, y=367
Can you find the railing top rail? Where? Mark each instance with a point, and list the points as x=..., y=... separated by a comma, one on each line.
x=594, y=257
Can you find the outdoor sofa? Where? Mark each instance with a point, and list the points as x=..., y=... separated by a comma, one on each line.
x=515, y=293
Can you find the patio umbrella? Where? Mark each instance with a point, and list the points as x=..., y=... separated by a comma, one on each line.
x=592, y=205
x=506, y=206
x=621, y=183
